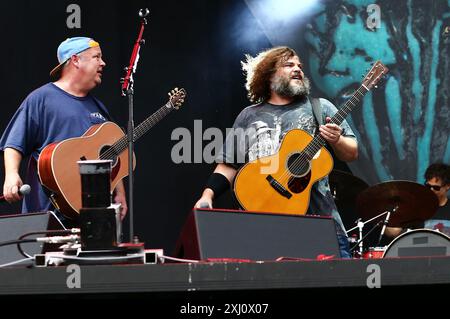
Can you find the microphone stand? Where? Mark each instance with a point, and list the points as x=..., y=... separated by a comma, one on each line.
x=128, y=90
x=362, y=238
x=360, y=226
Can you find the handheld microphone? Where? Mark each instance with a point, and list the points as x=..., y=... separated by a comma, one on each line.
x=204, y=205
x=25, y=189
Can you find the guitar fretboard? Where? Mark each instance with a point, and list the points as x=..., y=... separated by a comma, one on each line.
x=318, y=141
x=122, y=144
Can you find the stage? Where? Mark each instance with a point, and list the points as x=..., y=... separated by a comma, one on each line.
x=225, y=276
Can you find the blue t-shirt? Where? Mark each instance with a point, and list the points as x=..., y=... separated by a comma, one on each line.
x=47, y=115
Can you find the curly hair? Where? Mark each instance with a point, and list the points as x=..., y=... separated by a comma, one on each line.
x=438, y=170
x=259, y=70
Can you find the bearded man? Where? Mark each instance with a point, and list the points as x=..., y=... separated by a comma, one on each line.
x=275, y=82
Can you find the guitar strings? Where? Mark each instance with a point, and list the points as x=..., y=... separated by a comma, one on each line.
x=308, y=153
x=314, y=146
x=120, y=145
x=318, y=141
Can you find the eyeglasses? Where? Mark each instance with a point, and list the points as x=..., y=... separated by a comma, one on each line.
x=437, y=188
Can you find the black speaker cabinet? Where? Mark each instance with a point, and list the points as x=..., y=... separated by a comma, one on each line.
x=220, y=234
x=14, y=226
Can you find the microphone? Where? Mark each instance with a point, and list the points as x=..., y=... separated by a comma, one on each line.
x=385, y=222
x=25, y=189
x=204, y=205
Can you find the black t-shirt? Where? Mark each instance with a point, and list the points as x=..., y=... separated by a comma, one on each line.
x=441, y=220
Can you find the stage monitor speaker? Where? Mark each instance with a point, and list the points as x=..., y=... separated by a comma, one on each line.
x=220, y=234
x=14, y=226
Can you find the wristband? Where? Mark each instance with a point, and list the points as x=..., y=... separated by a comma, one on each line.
x=218, y=183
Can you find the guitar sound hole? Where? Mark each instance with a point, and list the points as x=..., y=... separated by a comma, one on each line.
x=107, y=152
x=298, y=184
x=298, y=165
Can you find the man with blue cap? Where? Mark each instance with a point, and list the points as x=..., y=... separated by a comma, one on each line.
x=54, y=112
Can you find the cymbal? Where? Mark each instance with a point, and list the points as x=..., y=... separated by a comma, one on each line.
x=345, y=187
x=415, y=202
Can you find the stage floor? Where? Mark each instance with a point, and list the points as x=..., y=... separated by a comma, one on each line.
x=224, y=276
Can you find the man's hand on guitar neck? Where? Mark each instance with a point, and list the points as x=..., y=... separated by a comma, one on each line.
x=346, y=148
x=330, y=132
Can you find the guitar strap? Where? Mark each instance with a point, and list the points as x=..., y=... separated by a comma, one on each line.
x=317, y=110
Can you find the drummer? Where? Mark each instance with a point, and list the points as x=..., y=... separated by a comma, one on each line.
x=437, y=178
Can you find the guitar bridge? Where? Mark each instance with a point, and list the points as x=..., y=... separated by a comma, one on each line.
x=278, y=187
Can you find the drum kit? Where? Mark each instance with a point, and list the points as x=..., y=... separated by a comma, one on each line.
x=399, y=204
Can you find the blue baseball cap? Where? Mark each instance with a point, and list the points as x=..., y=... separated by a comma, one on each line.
x=69, y=47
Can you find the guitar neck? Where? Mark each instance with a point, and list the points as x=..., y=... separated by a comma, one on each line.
x=318, y=141
x=151, y=121
x=122, y=144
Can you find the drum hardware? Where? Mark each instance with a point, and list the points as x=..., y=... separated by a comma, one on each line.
x=360, y=227
x=345, y=188
x=414, y=202
x=411, y=202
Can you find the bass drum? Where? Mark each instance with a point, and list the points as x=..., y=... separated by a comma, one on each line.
x=374, y=253
x=419, y=243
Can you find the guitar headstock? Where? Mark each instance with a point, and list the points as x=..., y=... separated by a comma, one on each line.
x=377, y=71
x=176, y=97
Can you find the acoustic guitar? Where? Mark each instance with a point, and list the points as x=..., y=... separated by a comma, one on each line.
x=300, y=162
x=57, y=164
